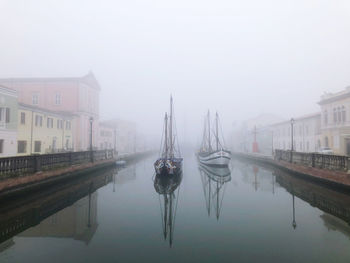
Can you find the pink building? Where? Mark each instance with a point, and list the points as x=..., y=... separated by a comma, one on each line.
x=77, y=95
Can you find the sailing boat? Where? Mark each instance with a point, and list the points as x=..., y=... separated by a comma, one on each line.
x=213, y=180
x=165, y=186
x=209, y=155
x=170, y=161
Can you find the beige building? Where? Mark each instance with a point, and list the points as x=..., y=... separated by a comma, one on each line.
x=107, y=136
x=43, y=131
x=335, y=124
x=306, y=134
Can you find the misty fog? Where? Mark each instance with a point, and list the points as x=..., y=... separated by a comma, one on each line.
x=240, y=58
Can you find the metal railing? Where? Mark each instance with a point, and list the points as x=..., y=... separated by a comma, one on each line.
x=317, y=160
x=35, y=163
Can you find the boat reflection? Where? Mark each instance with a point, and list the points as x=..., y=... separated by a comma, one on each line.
x=165, y=186
x=214, y=181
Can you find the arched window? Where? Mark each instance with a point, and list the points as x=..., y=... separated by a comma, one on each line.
x=326, y=144
x=343, y=114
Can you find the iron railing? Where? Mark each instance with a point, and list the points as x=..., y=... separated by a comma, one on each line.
x=35, y=163
x=317, y=160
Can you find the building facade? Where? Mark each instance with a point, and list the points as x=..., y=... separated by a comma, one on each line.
x=43, y=131
x=8, y=121
x=79, y=96
x=126, y=135
x=335, y=124
x=306, y=134
x=107, y=137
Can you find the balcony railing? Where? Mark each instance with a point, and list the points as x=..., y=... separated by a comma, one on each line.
x=317, y=160
x=35, y=163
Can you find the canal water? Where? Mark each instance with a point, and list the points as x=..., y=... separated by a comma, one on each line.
x=249, y=214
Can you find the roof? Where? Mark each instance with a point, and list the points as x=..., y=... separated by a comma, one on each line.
x=331, y=97
x=9, y=91
x=88, y=79
x=45, y=111
x=304, y=117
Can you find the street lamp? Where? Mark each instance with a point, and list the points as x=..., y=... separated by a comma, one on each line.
x=292, y=148
x=91, y=153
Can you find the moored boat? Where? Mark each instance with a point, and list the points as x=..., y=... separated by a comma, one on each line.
x=217, y=156
x=170, y=161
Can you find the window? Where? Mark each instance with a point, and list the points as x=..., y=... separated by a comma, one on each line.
x=58, y=99
x=38, y=120
x=68, y=125
x=67, y=144
x=59, y=124
x=1, y=146
x=23, y=118
x=22, y=146
x=49, y=123
x=325, y=117
x=326, y=142
x=37, y=146
x=339, y=115
x=5, y=115
x=307, y=146
x=343, y=114
x=35, y=98
x=335, y=115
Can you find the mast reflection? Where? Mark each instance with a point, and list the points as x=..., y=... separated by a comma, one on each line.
x=165, y=186
x=213, y=180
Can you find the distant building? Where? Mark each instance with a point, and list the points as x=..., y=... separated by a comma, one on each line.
x=126, y=136
x=258, y=128
x=77, y=95
x=107, y=136
x=306, y=134
x=335, y=124
x=43, y=131
x=8, y=121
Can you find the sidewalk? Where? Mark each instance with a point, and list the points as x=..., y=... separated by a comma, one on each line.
x=340, y=179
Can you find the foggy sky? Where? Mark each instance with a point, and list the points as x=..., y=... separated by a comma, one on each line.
x=242, y=58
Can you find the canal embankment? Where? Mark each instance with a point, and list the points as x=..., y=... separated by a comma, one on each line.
x=28, y=174
x=328, y=170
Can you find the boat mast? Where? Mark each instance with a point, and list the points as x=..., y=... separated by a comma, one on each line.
x=217, y=131
x=209, y=139
x=166, y=136
x=171, y=155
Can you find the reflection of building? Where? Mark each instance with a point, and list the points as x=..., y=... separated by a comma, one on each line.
x=327, y=200
x=78, y=221
x=8, y=121
x=306, y=132
x=43, y=131
x=335, y=224
x=335, y=121
x=78, y=95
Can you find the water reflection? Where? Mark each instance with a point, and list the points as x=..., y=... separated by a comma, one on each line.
x=68, y=211
x=214, y=181
x=165, y=186
x=328, y=200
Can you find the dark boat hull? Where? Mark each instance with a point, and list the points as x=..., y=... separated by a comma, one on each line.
x=168, y=166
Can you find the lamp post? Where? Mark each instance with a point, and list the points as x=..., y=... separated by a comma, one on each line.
x=292, y=131
x=91, y=153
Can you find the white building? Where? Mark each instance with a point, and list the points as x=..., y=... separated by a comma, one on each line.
x=8, y=121
x=306, y=134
